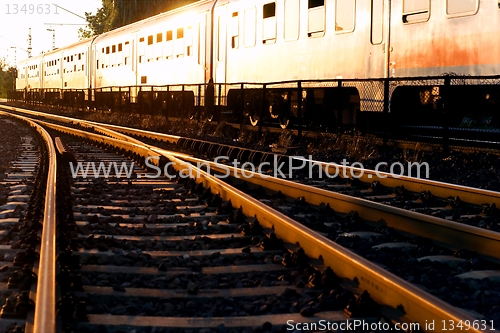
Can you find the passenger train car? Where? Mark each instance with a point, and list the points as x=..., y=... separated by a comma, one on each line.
x=231, y=41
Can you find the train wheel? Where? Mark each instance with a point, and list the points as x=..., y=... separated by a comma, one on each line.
x=254, y=120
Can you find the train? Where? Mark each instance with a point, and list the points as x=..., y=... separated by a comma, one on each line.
x=323, y=61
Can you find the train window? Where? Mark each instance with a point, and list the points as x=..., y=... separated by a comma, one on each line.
x=79, y=56
x=416, y=11
x=107, y=51
x=315, y=18
x=199, y=43
x=345, y=15
x=82, y=67
x=235, y=30
x=141, y=51
x=249, y=31
x=377, y=32
x=188, y=40
x=113, y=49
x=269, y=10
x=180, y=33
x=220, y=36
x=126, y=52
x=141, y=39
x=179, y=43
x=292, y=11
x=144, y=79
x=461, y=7
x=150, y=40
x=120, y=48
x=168, y=45
x=71, y=58
x=159, y=37
x=269, y=23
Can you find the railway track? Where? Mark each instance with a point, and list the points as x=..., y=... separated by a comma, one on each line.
x=461, y=204
x=140, y=235
x=388, y=290
x=29, y=205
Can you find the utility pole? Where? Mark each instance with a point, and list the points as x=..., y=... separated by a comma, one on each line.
x=15, y=55
x=53, y=38
x=29, y=43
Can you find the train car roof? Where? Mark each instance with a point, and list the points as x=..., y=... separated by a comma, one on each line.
x=34, y=58
x=61, y=49
x=202, y=4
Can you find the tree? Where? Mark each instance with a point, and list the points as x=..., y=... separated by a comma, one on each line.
x=117, y=13
x=7, y=78
x=98, y=23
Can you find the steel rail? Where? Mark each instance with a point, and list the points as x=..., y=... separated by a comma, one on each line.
x=132, y=131
x=444, y=232
x=140, y=150
x=467, y=194
x=383, y=286
x=45, y=303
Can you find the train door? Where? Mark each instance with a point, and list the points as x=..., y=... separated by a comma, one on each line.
x=203, y=48
x=378, y=58
x=62, y=70
x=96, y=64
x=134, y=57
x=91, y=66
x=220, y=44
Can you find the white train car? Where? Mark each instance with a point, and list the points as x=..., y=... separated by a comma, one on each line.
x=266, y=41
x=449, y=36
x=29, y=74
x=169, y=48
x=282, y=40
x=52, y=70
x=75, y=65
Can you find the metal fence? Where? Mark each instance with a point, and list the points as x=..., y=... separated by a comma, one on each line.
x=329, y=105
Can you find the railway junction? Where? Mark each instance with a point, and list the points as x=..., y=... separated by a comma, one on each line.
x=211, y=253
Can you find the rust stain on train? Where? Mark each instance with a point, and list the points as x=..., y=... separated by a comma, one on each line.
x=444, y=52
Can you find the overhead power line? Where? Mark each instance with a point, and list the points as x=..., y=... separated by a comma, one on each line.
x=69, y=11
x=14, y=43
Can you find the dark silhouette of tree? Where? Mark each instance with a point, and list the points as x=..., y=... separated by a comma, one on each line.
x=117, y=13
x=7, y=78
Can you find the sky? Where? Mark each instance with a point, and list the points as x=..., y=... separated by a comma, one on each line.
x=16, y=17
